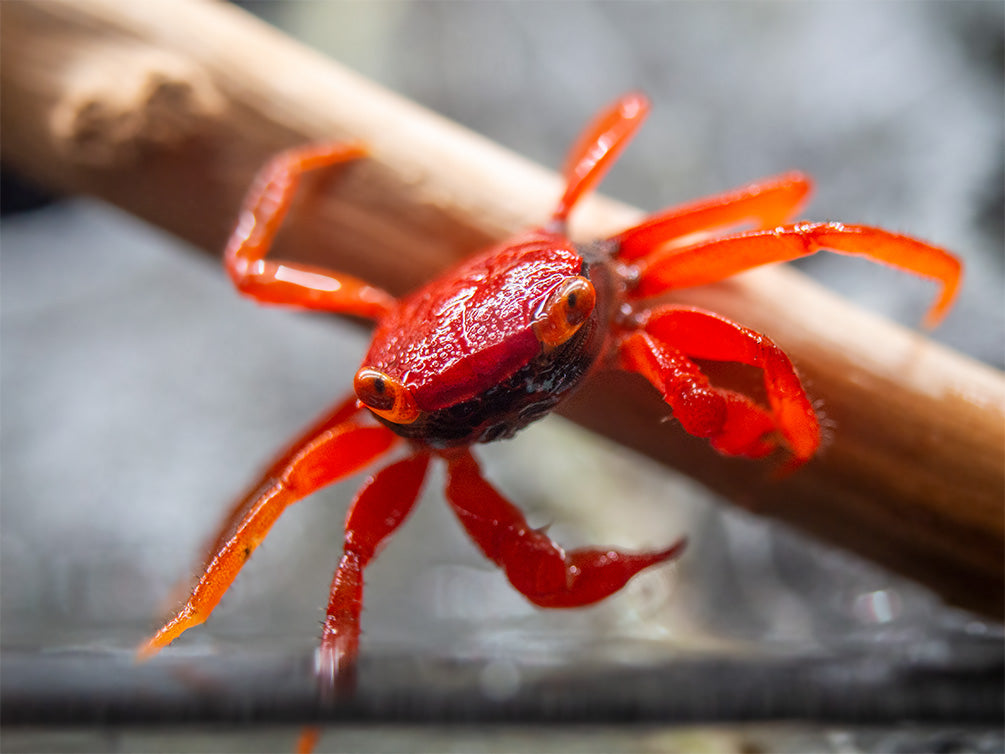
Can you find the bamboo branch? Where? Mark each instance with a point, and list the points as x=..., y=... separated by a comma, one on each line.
x=167, y=110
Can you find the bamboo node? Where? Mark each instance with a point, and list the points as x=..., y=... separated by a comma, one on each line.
x=125, y=104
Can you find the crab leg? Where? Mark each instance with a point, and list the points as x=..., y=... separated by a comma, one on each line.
x=320, y=460
x=767, y=203
x=338, y=414
x=378, y=510
x=674, y=330
x=713, y=260
x=534, y=564
x=599, y=145
x=284, y=282
x=733, y=424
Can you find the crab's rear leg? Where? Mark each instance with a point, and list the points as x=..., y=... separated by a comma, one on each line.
x=379, y=509
x=289, y=283
x=596, y=149
x=661, y=351
x=534, y=564
x=319, y=460
x=709, y=261
x=765, y=203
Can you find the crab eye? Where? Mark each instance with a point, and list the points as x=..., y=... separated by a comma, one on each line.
x=385, y=396
x=565, y=311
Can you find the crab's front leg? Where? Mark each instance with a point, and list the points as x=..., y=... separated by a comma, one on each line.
x=534, y=564
x=379, y=509
x=730, y=421
x=336, y=415
x=315, y=461
x=661, y=350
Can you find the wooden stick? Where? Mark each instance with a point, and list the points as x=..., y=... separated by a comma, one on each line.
x=166, y=110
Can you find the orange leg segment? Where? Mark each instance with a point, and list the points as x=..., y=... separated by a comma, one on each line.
x=767, y=203
x=292, y=283
x=338, y=414
x=713, y=260
x=324, y=458
x=596, y=149
x=703, y=335
x=381, y=506
x=534, y=564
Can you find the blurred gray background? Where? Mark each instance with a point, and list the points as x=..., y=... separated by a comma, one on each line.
x=139, y=393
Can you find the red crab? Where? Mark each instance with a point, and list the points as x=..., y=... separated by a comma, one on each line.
x=498, y=341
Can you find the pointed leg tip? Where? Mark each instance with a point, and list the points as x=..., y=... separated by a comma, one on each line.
x=336, y=669
x=167, y=634
x=308, y=740
x=934, y=316
x=674, y=551
x=148, y=649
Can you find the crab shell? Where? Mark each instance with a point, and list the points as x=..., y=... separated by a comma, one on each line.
x=490, y=346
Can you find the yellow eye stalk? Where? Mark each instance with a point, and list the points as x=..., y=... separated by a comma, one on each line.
x=385, y=396
x=565, y=311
